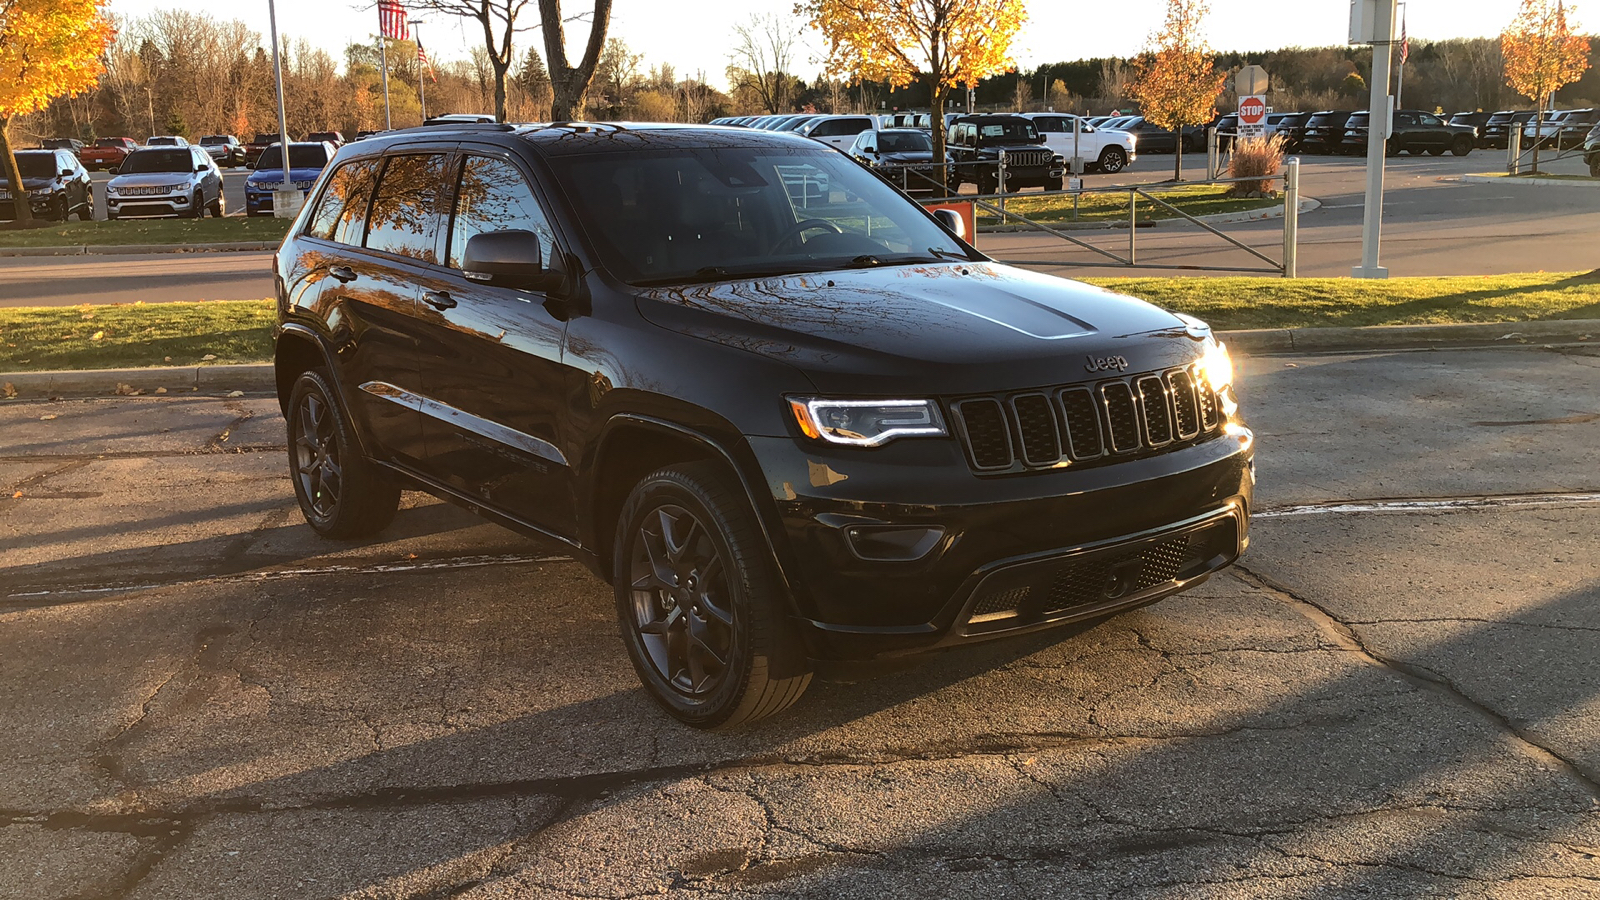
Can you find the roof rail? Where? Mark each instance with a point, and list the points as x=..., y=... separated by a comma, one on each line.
x=585, y=127
x=451, y=126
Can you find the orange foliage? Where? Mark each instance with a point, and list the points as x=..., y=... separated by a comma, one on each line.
x=1177, y=83
x=49, y=49
x=1541, y=52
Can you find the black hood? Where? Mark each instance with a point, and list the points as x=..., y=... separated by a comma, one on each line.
x=901, y=157
x=946, y=328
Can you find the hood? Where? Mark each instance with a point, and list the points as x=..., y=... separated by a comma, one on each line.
x=32, y=184
x=906, y=156
x=275, y=176
x=152, y=179
x=946, y=328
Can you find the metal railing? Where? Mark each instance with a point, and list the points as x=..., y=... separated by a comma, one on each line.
x=1519, y=154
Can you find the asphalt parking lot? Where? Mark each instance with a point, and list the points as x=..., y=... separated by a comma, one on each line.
x=1393, y=696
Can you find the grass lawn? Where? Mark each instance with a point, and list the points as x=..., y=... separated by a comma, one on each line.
x=147, y=231
x=1196, y=200
x=184, y=334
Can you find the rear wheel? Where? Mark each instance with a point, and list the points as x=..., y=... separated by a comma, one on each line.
x=1113, y=159
x=700, y=603
x=1436, y=151
x=1462, y=146
x=341, y=492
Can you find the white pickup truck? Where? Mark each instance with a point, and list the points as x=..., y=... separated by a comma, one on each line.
x=1101, y=149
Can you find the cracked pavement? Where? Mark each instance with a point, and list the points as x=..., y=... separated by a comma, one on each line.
x=203, y=700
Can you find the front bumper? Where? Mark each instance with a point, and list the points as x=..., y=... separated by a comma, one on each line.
x=40, y=203
x=1003, y=554
x=149, y=206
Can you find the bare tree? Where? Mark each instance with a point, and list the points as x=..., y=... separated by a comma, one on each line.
x=498, y=18
x=569, y=83
x=762, y=51
x=1113, y=81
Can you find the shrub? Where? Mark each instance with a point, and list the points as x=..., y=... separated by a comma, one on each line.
x=1257, y=159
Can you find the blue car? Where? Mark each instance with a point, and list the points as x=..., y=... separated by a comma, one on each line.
x=306, y=161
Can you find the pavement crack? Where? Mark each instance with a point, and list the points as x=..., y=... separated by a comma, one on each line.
x=1345, y=636
x=1475, y=619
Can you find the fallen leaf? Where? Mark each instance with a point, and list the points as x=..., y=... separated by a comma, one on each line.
x=19, y=493
x=1291, y=365
x=209, y=356
x=236, y=393
x=1030, y=760
x=97, y=335
x=408, y=555
x=168, y=358
x=127, y=390
x=47, y=417
x=9, y=389
x=164, y=390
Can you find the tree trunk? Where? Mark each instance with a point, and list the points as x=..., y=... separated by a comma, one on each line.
x=936, y=127
x=1177, y=153
x=23, y=210
x=1538, y=135
x=569, y=83
x=500, y=70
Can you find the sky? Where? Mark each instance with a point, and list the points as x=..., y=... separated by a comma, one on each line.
x=694, y=35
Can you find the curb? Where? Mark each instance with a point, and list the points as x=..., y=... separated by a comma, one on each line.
x=1522, y=181
x=1307, y=204
x=1410, y=337
x=259, y=377
x=128, y=249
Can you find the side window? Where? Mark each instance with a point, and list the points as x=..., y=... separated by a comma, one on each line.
x=854, y=126
x=341, y=213
x=1430, y=119
x=493, y=196
x=406, y=208
x=828, y=128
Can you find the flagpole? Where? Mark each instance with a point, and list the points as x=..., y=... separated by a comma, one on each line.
x=422, y=77
x=1405, y=52
x=383, y=64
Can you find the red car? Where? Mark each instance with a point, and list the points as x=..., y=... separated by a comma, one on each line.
x=107, y=153
x=253, y=149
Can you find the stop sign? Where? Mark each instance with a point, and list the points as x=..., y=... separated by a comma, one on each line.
x=1252, y=110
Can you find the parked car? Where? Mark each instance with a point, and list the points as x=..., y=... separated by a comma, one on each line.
x=1497, y=131
x=224, y=148
x=1102, y=150
x=1325, y=131
x=903, y=156
x=1154, y=139
x=1561, y=128
x=306, y=162
x=451, y=119
x=57, y=185
x=167, y=140
x=258, y=145
x=1292, y=126
x=108, y=153
x=166, y=181
x=796, y=124
x=1478, y=121
x=365, y=133
x=1591, y=151
x=73, y=145
x=839, y=131
x=327, y=137
x=779, y=437
x=1227, y=127
x=1415, y=132
x=974, y=144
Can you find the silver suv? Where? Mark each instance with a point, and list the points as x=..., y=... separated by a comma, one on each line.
x=166, y=181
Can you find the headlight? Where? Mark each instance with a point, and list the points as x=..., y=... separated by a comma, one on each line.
x=1216, y=367
x=866, y=423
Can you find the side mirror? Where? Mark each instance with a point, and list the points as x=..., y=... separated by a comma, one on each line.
x=952, y=222
x=114, y=169
x=249, y=165
x=872, y=151
x=508, y=259
x=66, y=173
x=199, y=167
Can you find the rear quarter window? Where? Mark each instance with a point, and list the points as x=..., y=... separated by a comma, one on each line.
x=341, y=213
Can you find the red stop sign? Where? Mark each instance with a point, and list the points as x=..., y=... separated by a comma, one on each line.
x=1252, y=110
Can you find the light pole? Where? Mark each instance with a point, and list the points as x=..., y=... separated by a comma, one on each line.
x=285, y=201
x=422, y=82
x=1372, y=22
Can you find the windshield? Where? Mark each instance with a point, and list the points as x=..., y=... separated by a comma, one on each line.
x=681, y=216
x=1357, y=120
x=317, y=136
x=1011, y=131
x=37, y=165
x=163, y=142
x=265, y=138
x=142, y=161
x=300, y=157
x=904, y=142
x=214, y=139
x=109, y=142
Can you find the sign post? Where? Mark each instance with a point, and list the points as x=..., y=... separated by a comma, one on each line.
x=1252, y=116
x=1372, y=22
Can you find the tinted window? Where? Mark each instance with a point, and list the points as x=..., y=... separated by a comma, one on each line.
x=301, y=156
x=1427, y=119
x=1020, y=131
x=840, y=127
x=904, y=142
x=405, y=211
x=37, y=165
x=342, y=213
x=264, y=138
x=108, y=142
x=493, y=196
x=214, y=139
x=141, y=161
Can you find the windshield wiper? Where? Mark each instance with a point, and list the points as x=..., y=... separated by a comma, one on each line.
x=948, y=254
x=865, y=261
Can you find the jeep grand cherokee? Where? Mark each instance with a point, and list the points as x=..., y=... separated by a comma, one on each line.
x=784, y=411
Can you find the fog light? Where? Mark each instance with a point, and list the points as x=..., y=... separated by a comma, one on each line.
x=893, y=543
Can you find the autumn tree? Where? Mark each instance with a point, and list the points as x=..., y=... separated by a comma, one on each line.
x=950, y=42
x=48, y=49
x=763, y=49
x=1541, y=55
x=1176, y=81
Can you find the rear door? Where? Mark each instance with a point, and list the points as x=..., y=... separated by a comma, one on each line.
x=492, y=357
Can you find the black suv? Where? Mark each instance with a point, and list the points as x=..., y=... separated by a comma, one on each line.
x=1324, y=131
x=1496, y=132
x=787, y=413
x=1415, y=132
x=974, y=144
x=1591, y=151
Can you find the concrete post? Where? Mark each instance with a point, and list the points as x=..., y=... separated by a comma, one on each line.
x=1291, y=218
x=1377, y=138
x=1514, y=150
x=1133, y=228
x=1213, y=157
x=1000, y=181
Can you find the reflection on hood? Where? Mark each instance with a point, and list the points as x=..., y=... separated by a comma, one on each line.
x=150, y=179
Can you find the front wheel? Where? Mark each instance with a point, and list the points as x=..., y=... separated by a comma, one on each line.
x=1462, y=146
x=86, y=211
x=341, y=492
x=700, y=603
x=197, y=207
x=216, y=208
x=1112, y=160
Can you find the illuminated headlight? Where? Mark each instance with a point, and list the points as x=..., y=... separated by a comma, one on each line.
x=866, y=423
x=1215, y=366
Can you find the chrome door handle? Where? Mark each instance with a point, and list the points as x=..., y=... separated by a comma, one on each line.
x=343, y=274
x=439, y=299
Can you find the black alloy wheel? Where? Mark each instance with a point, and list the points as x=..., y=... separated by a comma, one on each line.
x=86, y=211
x=1462, y=146
x=1112, y=159
x=698, y=601
x=341, y=493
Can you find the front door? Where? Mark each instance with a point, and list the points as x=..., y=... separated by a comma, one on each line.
x=492, y=359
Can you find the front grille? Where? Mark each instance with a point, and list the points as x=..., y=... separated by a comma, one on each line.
x=1033, y=592
x=1028, y=157
x=1037, y=430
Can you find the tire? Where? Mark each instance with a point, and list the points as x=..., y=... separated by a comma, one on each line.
x=110, y=216
x=341, y=492
x=216, y=208
x=197, y=208
x=687, y=538
x=62, y=212
x=1462, y=146
x=86, y=211
x=1391, y=149
x=1113, y=160
x=1594, y=167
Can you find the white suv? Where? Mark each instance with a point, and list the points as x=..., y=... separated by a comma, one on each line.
x=840, y=131
x=1101, y=149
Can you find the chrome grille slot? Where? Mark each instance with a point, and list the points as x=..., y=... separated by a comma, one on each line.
x=1185, y=409
x=1121, y=416
x=1041, y=444
x=1082, y=419
x=1157, y=417
x=988, y=436
x=1208, y=405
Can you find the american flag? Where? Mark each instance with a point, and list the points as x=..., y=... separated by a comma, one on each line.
x=422, y=60
x=392, y=20
x=1405, y=42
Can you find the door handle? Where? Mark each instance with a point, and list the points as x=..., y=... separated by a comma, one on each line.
x=439, y=299
x=343, y=274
